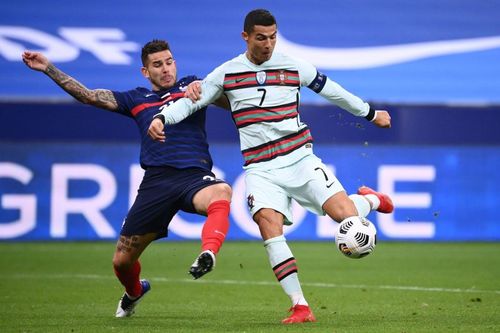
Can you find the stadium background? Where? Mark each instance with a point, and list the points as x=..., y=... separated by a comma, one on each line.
x=69, y=171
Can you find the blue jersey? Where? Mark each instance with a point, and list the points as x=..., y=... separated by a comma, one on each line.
x=186, y=142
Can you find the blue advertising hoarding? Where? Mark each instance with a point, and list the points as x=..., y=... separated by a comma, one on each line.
x=433, y=65
x=64, y=191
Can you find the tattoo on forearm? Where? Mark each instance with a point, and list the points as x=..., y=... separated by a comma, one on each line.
x=98, y=97
x=104, y=96
x=126, y=243
x=70, y=85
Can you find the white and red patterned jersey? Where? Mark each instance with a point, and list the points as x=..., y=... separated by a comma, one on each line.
x=264, y=103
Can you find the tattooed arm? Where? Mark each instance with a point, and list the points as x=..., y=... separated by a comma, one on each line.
x=100, y=98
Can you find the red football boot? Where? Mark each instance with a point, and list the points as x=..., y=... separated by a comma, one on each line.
x=300, y=314
x=386, y=205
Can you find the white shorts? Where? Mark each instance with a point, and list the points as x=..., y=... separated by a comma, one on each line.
x=308, y=181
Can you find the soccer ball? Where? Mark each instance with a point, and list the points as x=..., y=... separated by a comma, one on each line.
x=356, y=237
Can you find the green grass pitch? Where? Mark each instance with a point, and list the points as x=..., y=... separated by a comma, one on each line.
x=402, y=287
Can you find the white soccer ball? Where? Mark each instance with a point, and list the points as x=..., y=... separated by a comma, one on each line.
x=356, y=237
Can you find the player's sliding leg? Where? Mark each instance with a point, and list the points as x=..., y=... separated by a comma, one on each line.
x=368, y=199
x=128, y=268
x=212, y=237
x=216, y=226
x=217, y=199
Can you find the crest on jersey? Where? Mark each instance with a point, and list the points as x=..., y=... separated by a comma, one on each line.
x=261, y=77
x=250, y=201
x=282, y=76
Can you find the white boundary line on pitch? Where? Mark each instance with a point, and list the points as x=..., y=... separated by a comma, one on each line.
x=257, y=283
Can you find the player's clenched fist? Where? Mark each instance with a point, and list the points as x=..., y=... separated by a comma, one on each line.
x=193, y=91
x=155, y=130
x=382, y=119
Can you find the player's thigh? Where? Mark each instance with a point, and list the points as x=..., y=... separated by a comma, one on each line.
x=156, y=203
x=200, y=189
x=263, y=192
x=314, y=184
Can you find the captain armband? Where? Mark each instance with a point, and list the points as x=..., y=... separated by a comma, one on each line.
x=318, y=83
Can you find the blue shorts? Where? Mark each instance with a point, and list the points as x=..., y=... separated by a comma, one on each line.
x=162, y=193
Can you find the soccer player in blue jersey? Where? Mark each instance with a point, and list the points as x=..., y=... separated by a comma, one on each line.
x=177, y=174
x=263, y=88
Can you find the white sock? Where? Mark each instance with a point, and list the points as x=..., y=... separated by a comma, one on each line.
x=374, y=200
x=298, y=298
x=285, y=268
x=362, y=204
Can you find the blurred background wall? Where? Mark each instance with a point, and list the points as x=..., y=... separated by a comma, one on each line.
x=70, y=171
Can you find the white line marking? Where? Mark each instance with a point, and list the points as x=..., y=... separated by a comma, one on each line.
x=255, y=283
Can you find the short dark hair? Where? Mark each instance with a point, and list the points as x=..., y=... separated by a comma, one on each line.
x=156, y=45
x=258, y=17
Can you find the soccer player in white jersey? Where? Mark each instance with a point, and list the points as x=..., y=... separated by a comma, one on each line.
x=263, y=89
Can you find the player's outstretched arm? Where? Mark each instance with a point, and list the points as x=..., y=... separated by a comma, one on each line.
x=101, y=98
x=353, y=104
x=193, y=92
x=336, y=94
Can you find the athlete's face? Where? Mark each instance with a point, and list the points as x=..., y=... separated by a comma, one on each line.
x=260, y=43
x=160, y=70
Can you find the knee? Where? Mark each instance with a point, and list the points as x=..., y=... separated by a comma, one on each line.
x=223, y=192
x=122, y=262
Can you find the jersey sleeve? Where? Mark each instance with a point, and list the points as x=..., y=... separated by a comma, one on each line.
x=332, y=91
x=125, y=102
x=307, y=72
x=211, y=90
